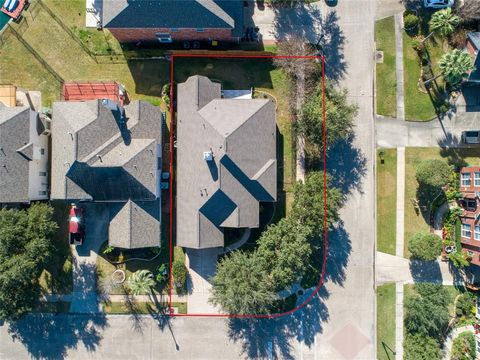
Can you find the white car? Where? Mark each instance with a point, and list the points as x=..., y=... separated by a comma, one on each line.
x=438, y=4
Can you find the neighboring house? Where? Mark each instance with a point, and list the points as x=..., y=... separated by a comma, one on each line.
x=173, y=20
x=470, y=203
x=23, y=155
x=226, y=162
x=473, y=47
x=106, y=153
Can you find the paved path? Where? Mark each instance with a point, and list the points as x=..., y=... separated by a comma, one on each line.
x=399, y=248
x=400, y=227
x=399, y=65
x=393, y=133
x=399, y=321
x=391, y=268
x=447, y=347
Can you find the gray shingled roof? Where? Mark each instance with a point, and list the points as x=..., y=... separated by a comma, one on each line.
x=223, y=14
x=226, y=191
x=15, y=153
x=100, y=155
x=104, y=158
x=135, y=224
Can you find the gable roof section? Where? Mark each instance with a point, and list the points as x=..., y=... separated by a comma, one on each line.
x=191, y=14
x=15, y=153
x=135, y=224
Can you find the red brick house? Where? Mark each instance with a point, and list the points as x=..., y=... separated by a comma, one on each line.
x=173, y=20
x=470, y=204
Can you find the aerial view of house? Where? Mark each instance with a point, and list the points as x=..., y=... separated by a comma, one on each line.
x=226, y=162
x=173, y=20
x=24, y=143
x=103, y=152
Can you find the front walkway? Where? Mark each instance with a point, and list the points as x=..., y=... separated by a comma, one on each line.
x=399, y=65
x=447, y=347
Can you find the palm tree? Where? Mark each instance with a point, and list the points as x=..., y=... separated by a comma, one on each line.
x=141, y=282
x=443, y=22
x=455, y=66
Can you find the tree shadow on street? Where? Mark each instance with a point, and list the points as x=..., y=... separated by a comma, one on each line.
x=273, y=338
x=323, y=32
x=346, y=165
x=50, y=336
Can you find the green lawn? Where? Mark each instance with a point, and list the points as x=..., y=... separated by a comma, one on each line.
x=386, y=81
x=386, y=200
x=72, y=14
x=140, y=308
x=386, y=322
x=415, y=222
x=420, y=105
x=57, y=277
x=142, y=79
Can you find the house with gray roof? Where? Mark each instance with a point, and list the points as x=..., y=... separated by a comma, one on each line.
x=172, y=20
x=23, y=155
x=226, y=162
x=106, y=153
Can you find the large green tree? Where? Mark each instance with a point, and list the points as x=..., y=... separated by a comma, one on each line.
x=308, y=204
x=427, y=310
x=243, y=285
x=286, y=249
x=425, y=246
x=433, y=172
x=455, y=66
x=420, y=347
x=339, y=117
x=25, y=249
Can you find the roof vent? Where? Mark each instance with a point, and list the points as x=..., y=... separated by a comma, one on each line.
x=208, y=155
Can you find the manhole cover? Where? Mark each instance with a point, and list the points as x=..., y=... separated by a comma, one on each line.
x=379, y=57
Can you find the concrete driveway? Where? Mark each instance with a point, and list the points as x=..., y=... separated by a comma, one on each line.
x=84, y=299
x=446, y=132
x=201, y=266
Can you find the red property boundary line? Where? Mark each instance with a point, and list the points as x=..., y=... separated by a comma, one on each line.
x=324, y=130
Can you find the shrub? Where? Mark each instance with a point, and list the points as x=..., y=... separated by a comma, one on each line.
x=179, y=274
x=410, y=22
x=463, y=347
x=420, y=347
x=425, y=246
x=417, y=44
x=433, y=172
x=166, y=94
x=465, y=305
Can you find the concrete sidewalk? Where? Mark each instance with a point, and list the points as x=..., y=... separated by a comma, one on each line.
x=399, y=65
